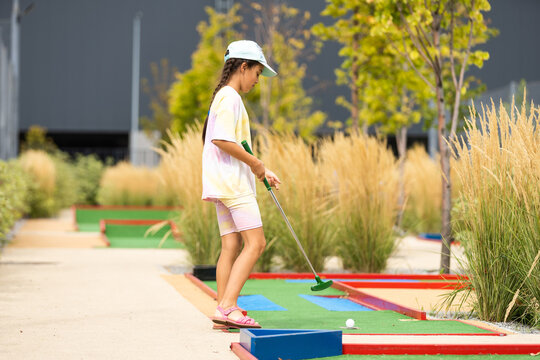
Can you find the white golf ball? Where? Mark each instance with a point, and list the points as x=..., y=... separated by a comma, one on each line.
x=349, y=323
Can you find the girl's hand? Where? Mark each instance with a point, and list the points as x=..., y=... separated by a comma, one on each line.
x=273, y=180
x=258, y=169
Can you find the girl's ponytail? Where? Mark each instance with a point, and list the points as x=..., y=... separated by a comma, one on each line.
x=229, y=68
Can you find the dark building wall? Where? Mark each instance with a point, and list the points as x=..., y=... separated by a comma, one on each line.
x=76, y=57
x=76, y=60
x=515, y=52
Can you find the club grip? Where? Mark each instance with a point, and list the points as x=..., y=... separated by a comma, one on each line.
x=248, y=149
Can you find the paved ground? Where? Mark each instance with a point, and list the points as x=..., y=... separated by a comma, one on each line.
x=96, y=303
x=71, y=300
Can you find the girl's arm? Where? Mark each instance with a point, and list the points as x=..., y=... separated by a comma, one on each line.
x=256, y=165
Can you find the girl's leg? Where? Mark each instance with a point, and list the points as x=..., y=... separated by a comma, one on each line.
x=230, y=248
x=231, y=243
x=254, y=243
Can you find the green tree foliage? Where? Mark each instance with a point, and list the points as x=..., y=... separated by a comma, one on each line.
x=36, y=139
x=348, y=29
x=14, y=184
x=162, y=78
x=190, y=94
x=441, y=34
x=382, y=88
x=282, y=104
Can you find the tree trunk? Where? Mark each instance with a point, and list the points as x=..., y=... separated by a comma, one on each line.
x=354, y=74
x=444, y=149
x=401, y=142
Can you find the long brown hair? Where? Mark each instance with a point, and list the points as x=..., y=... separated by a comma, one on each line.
x=229, y=68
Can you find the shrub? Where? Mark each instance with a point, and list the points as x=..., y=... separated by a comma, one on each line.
x=181, y=171
x=88, y=171
x=14, y=184
x=362, y=174
x=42, y=170
x=498, y=212
x=54, y=185
x=67, y=185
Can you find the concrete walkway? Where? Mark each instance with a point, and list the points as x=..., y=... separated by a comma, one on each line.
x=63, y=296
x=73, y=303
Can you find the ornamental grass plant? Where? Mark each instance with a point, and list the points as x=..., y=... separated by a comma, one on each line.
x=363, y=178
x=304, y=198
x=423, y=191
x=422, y=179
x=181, y=171
x=497, y=215
x=125, y=184
x=54, y=182
x=41, y=169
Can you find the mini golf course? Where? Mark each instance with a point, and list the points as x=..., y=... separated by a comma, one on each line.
x=138, y=234
x=130, y=226
x=294, y=319
x=87, y=217
x=272, y=302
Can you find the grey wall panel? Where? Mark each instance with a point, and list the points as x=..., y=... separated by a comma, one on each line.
x=515, y=52
x=76, y=58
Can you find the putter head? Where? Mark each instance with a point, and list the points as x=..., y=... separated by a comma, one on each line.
x=321, y=285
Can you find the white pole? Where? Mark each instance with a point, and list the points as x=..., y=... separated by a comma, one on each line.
x=15, y=66
x=135, y=88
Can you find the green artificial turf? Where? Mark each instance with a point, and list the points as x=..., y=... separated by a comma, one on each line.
x=88, y=218
x=302, y=314
x=427, y=357
x=133, y=236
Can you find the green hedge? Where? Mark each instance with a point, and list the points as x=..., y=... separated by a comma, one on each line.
x=57, y=181
x=14, y=185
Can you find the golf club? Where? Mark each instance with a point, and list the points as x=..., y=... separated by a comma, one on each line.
x=321, y=285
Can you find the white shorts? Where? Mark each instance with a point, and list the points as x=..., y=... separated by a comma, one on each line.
x=235, y=215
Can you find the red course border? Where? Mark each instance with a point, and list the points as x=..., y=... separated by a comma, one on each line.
x=241, y=352
x=440, y=349
x=444, y=281
x=201, y=285
x=441, y=277
x=127, y=207
x=117, y=207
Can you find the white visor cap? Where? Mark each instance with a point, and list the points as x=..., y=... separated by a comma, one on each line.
x=249, y=50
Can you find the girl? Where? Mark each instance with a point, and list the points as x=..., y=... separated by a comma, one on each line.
x=229, y=181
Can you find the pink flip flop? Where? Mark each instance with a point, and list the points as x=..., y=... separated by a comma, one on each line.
x=243, y=322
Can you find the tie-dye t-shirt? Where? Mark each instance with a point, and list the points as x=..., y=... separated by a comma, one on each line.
x=224, y=176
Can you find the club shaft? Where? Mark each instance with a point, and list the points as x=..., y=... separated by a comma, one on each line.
x=292, y=232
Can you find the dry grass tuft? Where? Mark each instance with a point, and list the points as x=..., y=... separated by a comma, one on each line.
x=498, y=211
x=41, y=166
x=181, y=171
x=125, y=184
x=363, y=176
x=304, y=198
x=423, y=192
